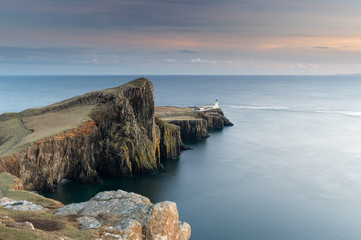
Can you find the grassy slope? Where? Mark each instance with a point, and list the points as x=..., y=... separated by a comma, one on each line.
x=17, y=234
x=45, y=122
x=11, y=131
x=175, y=113
x=42, y=126
x=6, y=190
x=43, y=220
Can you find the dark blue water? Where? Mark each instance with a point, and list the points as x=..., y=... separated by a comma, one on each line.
x=289, y=169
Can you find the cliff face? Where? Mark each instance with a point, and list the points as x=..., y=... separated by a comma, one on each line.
x=197, y=126
x=192, y=129
x=117, y=138
x=215, y=118
x=170, y=139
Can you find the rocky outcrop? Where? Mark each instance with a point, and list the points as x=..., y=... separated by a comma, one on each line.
x=22, y=205
x=118, y=138
x=133, y=217
x=108, y=215
x=192, y=129
x=215, y=118
x=197, y=127
x=170, y=140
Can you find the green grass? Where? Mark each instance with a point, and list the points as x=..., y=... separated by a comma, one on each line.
x=44, y=220
x=50, y=120
x=11, y=131
x=19, y=234
x=40, y=126
x=6, y=190
x=175, y=113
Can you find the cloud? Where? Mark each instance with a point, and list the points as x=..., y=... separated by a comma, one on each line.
x=168, y=60
x=212, y=62
x=322, y=47
x=202, y=61
x=311, y=67
x=188, y=51
x=60, y=55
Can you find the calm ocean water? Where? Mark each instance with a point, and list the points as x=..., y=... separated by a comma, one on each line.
x=290, y=168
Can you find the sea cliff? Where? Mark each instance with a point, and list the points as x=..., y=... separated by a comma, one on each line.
x=194, y=124
x=110, y=132
x=113, y=132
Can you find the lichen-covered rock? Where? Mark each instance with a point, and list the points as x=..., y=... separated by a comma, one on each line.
x=129, y=229
x=19, y=205
x=88, y=222
x=163, y=221
x=139, y=218
x=184, y=232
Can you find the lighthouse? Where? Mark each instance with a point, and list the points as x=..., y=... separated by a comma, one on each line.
x=216, y=104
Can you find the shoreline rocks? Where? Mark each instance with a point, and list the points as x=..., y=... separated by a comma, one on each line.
x=133, y=216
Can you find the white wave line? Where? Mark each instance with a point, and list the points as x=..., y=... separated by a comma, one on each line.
x=282, y=108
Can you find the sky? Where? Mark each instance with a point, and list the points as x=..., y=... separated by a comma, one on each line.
x=245, y=37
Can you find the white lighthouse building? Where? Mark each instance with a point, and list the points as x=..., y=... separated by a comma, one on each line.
x=208, y=107
x=216, y=104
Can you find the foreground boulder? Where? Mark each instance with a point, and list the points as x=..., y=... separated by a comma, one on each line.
x=135, y=217
x=108, y=215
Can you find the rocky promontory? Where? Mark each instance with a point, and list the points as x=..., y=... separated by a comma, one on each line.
x=194, y=124
x=113, y=132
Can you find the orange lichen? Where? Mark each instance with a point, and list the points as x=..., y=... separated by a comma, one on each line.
x=86, y=129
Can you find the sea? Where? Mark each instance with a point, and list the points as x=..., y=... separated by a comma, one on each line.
x=289, y=168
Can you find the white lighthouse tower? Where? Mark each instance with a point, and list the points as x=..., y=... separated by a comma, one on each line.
x=216, y=104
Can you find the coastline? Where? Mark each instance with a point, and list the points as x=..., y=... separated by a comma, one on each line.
x=163, y=140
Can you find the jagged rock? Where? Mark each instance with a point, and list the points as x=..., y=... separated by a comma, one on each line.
x=215, y=118
x=163, y=221
x=192, y=129
x=194, y=124
x=184, y=232
x=129, y=229
x=170, y=139
x=88, y=222
x=139, y=218
x=19, y=205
